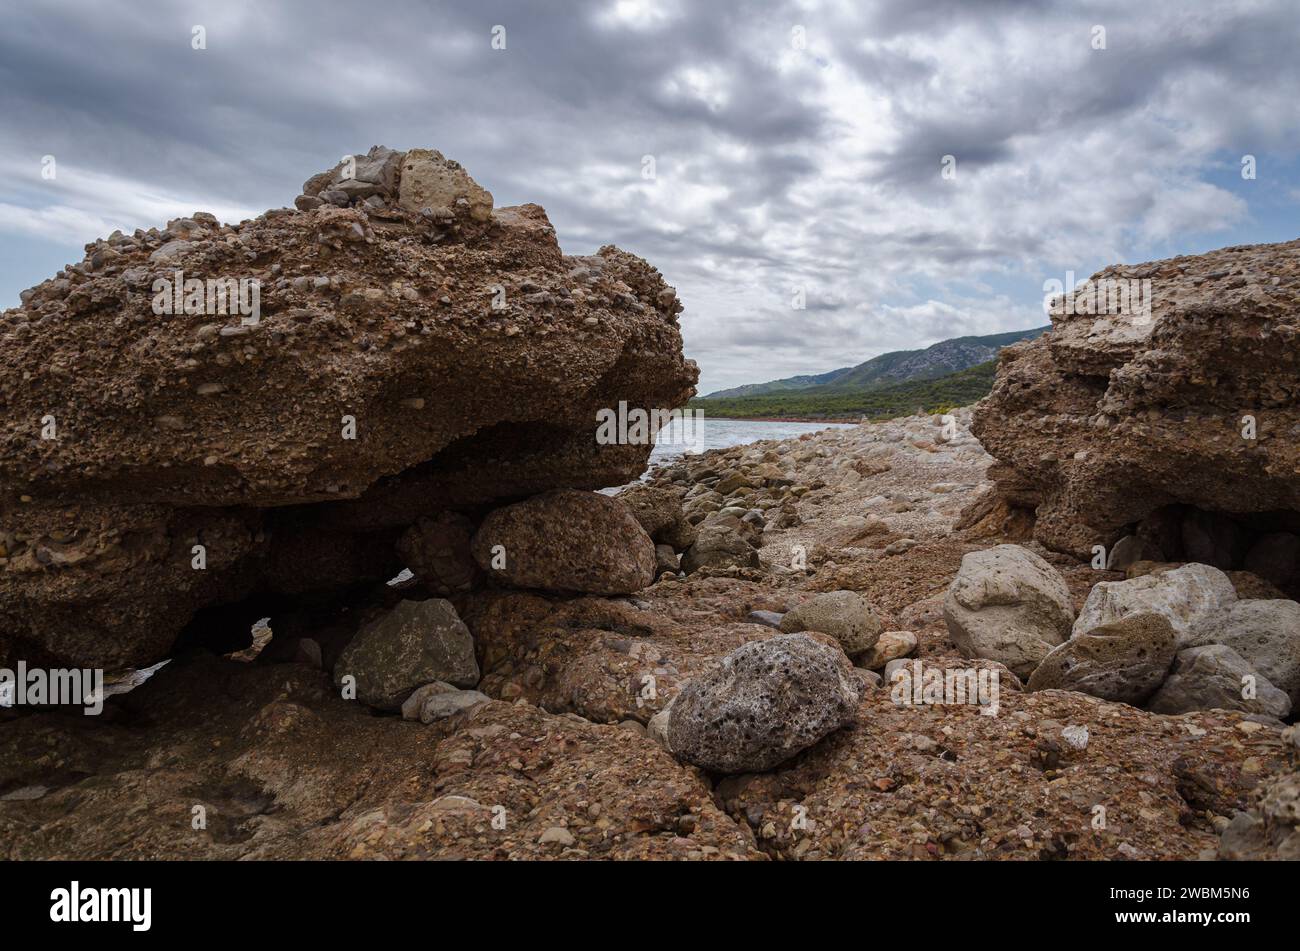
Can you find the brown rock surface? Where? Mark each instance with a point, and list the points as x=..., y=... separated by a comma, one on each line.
x=466, y=353
x=1110, y=418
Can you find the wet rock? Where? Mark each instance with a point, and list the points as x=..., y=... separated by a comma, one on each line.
x=1009, y=605
x=1190, y=597
x=763, y=703
x=1266, y=634
x=437, y=551
x=439, y=700
x=416, y=643
x=566, y=540
x=1124, y=660
x=845, y=615
x=1214, y=677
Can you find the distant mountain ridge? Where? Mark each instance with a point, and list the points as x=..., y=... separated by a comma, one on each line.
x=899, y=366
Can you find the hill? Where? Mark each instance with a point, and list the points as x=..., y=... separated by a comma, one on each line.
x=875, y=402
x=899, y=366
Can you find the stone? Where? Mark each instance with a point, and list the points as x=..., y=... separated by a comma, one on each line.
x=666, y=560
x=450, y=413
x=415, y=643
x=431, y=181
x=1275, y=557
x=1124, y=660
x=1009, y=605
x=846, y=616
x=1213, y=678
x=763, y=703
x=1131, y=549
x=1152, y=392
x=719, y=545
x=568, y=541
x=439, y=700
x=768, y=618
x=437, y=551
x=890, y=646
x=1190, y=597
x=1266, y=634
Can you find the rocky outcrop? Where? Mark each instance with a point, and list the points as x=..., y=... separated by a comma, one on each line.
x=172, y=457
x=763, y=703
x=566, y=541
x=1009, y=605
x=1179, y=420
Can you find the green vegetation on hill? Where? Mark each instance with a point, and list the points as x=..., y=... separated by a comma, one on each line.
x=878, y=402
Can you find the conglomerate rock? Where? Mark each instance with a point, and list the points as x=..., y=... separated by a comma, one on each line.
x=168, y=449
x=1186, y=414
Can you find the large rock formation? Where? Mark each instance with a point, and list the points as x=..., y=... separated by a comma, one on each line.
x=1178, y=424
x=411, y=351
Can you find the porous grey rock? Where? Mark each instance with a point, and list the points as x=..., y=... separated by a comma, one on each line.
x=1190, y=597
x=1125, y=660
x=763, y=703
x=1266, y=634
x=439, y=700
x=415, y=643
x=845, y=615
x=1213, y=678
x=566, y=540
x=1009, y=605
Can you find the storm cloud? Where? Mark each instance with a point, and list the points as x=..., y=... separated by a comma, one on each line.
x=797, y=147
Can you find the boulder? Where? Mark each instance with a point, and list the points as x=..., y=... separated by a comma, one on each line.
x=1009, y=605
x=1189, y=597
x=1214, y=677
x=439, y=700
x=431, y=181
x=719, y=544
x=890, y=646
x=567, y=541
x=845, y=615
x=437, y=551
x=415, y=643
x=1135, y=400
x=378, y=385
x=763, y=703
x=1275, y=557
x=1124, y=660
x=1266, y=634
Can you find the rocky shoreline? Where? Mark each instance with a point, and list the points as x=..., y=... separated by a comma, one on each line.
x=553, y=735
x=867, y=642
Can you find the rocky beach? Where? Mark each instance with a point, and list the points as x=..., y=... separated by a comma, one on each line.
x=1059, y=624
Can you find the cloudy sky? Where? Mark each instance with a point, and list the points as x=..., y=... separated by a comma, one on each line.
x=794, y=144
